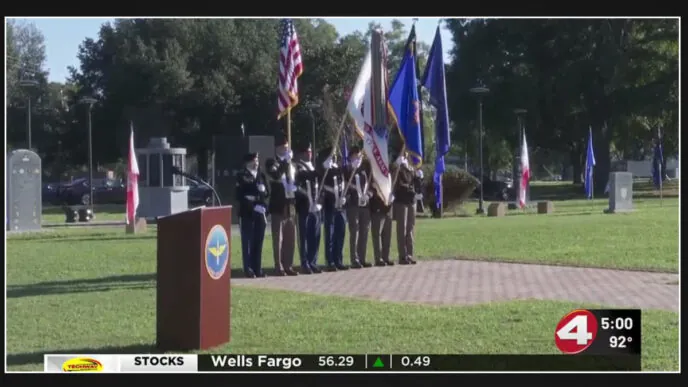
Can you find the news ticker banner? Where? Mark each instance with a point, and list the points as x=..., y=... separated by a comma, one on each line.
x=589, y=340
x=336, y=363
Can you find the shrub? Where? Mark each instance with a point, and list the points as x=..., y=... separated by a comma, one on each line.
x=458, y=185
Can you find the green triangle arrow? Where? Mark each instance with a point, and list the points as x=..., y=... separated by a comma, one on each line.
x=378, y=363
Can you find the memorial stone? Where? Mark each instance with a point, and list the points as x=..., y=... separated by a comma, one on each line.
x=24, y=192
x=620, y=192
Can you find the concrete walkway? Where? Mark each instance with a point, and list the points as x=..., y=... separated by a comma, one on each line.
x=455, y=282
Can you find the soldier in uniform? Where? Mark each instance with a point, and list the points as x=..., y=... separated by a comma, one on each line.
x=404, y=208
x=357, y=208
x=252, y=193
x=308, y=209
x=381, y=224
x=281, y=173
x=334, y=217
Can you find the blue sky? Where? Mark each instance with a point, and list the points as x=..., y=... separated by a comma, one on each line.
x=63, y=36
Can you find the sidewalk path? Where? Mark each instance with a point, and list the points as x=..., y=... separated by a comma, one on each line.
x=456, y=282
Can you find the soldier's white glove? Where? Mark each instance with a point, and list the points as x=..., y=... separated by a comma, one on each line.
x=250, y=198
x=401, y=160
x=342, y=201
x=293, y=188
x=391, y=199
x=419, y=173
x=328, y=163
x=357, y=162
x=259, y=209
x=369, y=194
x=261, y=188
x=419, y=196
x=316, y=208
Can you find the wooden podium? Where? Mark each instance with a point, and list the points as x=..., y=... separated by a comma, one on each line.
x=194, y=265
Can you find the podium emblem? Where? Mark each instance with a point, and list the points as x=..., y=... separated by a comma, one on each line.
x=216, y=251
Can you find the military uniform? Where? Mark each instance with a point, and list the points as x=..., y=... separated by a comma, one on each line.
x=281, y=173
x=252, y=192
x=358, y=213
x=404, y=211
x=334, y=218
x=381, y=225
x=308, y=211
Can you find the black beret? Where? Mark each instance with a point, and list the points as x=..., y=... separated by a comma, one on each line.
x=250, y=156
x=303, y=147
x=281, y=140
x=354, y=149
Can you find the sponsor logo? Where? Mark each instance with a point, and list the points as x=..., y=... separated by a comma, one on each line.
x=82, y=364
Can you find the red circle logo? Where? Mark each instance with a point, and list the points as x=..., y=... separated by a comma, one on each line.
x=576, y=331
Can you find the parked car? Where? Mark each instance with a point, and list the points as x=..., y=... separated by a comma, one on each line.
x=496, y=190
x=199, y=194
x=49, y=194
x=105, y=191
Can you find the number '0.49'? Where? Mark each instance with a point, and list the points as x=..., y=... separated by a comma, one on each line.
x=617, y=323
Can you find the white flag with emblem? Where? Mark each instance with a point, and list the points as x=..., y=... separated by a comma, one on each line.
x=360, y=109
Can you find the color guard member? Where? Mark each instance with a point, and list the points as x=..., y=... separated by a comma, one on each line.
x=308, y=209
x=404, y=208
x=252, y=193
x=357, y=208
x=381, y=228
x=334, y=217
x=281, y=172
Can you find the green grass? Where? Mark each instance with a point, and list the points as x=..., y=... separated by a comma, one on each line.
x=100, y=278
x=577, y=234
x=121, y=319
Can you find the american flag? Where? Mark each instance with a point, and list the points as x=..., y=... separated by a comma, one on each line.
x=291, y=67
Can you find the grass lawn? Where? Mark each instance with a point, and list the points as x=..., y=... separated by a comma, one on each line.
x=577, y=234
x=120, y=316
x=102, y=279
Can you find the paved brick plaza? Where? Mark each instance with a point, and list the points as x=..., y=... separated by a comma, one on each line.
x=456, y=282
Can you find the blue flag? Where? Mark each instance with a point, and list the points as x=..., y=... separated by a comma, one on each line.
x=589, y=165
x=434, y=81
x=657, y=161
x=403, y=99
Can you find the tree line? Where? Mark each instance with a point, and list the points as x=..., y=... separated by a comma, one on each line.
x=193, y=79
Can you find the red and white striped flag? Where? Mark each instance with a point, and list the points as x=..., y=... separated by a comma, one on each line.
x=525, y=174
x=132, y=181
x=290, y=69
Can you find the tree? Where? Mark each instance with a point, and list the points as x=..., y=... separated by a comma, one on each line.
x=570, y=75
x=194, y=79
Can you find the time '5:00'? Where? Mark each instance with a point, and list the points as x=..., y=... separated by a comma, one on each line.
x=617, y=323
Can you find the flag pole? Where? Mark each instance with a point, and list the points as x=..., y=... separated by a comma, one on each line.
x=333, y=151
x=592, y=188
x=661, y=183
x=289, y=127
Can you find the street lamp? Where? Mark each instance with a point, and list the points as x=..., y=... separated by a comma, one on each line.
x=516, y=170
x=28, y=84
x=480, y=92
x=310, y=107
x=89, y=101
